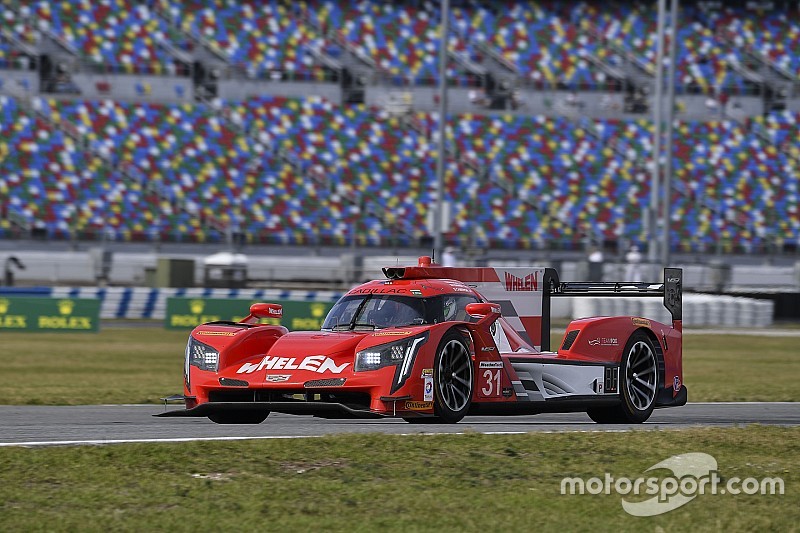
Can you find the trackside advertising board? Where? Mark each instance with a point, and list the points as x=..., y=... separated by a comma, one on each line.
x=186, y=313
x=49, y=314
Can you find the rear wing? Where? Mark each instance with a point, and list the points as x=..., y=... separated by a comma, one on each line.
x=671, y=290
x=524, y=293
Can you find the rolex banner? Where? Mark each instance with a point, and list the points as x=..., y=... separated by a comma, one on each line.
x=185, y=313
x=49, y=314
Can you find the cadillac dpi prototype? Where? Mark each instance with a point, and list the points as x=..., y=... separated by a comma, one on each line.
x=433, y=344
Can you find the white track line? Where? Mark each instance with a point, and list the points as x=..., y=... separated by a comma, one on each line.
x=32, y=444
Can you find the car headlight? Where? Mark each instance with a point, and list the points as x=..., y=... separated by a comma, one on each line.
x=201, y=356
x=399, y=353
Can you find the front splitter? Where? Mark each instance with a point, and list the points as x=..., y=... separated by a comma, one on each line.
x=318, y=409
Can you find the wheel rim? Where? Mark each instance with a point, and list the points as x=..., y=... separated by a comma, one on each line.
x=641, y=374
x=455, y=376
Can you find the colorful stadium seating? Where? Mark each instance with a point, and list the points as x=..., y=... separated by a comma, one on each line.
x=259, y=36
x=304, y=171
x=122, y=34
x=295, y=170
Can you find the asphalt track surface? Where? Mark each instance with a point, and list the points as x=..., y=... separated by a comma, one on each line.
x=109, y=424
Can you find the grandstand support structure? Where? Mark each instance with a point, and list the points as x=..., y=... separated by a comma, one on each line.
x=463, y=60
x=357, y=71
x=666, y=198
x=652, y=218
x=777, y=83
x=54, y=44
x=637, y=74
x=438, y=212
x=206, y=62
x=18, y=43
x=202, y=50
x=502, y=76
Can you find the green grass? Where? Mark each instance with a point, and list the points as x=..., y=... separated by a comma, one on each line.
x=132, y=365
x=141, y=365
x=741, y=368
x=467, y=482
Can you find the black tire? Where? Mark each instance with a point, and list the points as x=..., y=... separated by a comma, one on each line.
x=239, y=417
x=638, y=384
x=453, y=379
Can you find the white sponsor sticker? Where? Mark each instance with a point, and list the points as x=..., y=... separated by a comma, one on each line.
x=314, y=363
x=491, y=364
x=428, y=396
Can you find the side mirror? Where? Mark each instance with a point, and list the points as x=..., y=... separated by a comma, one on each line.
x=485, y=312
x=262, y=310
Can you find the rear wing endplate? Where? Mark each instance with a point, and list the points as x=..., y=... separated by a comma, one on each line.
x=671, y=290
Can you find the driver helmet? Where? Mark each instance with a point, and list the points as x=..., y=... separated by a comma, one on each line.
x=450, y=309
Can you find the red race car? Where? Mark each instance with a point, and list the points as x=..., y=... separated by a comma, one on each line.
x=433, y=344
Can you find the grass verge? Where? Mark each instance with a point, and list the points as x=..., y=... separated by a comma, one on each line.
x=140, y=365
x=379, y=482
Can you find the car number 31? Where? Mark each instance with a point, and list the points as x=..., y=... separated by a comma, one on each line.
x=492, y=383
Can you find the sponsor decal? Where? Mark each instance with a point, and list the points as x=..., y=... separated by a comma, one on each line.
x=487, y=349
x=377, y=290
x=275, y=312
x=428, y=391
x=10, y=321
x=277, y=378
x=65, y=307
x=507, y=392
x=676, y=384
x=673, y=280
x=47, y=314
x=491, y=364
x=604, y=341
x=640, y=322
x=217, y=333
x=418, y=406
x=416, y=292
x=13, y=321
x=391, y=333
x=526, y=283
x=65, y=321
x=314, y=363
x=427, y=372
x=458, y=287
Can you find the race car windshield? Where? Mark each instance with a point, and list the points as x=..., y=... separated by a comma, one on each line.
x=376, y=311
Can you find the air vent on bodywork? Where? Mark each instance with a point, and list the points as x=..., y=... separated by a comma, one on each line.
x=316, y=383
x=394, y=272
x=228, y=382
x=569, y=339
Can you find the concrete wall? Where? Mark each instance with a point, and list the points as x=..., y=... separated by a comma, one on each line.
x=19, y=82
x=240, y=89
x=134, y=87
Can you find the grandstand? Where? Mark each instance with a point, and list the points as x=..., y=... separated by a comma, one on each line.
x=315, y=122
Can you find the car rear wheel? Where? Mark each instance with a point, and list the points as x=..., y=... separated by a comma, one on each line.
x=638, y=379
x=239, y=417
x=452, y=379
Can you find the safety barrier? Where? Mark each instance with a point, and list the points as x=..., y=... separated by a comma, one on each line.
x=147, y=303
